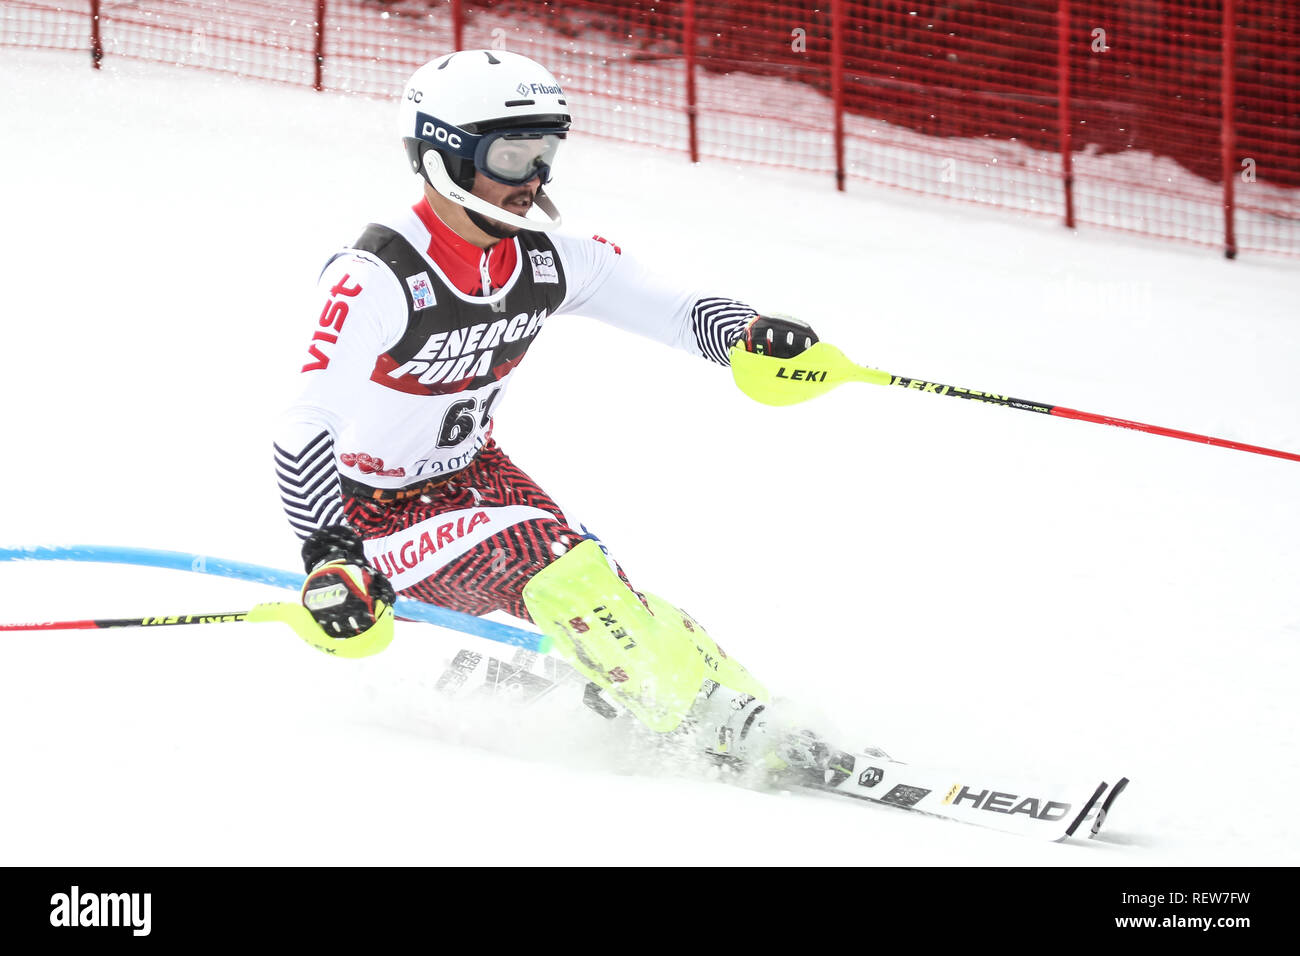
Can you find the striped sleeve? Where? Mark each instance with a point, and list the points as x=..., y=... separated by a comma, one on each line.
x=309, y=483
x=716, y=324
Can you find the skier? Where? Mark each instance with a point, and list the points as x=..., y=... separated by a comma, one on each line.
x=386, y=462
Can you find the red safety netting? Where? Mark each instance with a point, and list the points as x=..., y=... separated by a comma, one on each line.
x=1102, y=112
x=1266, y=125
x=622, y=62
x=372, y=48
x=965, y=96
x=42, y=25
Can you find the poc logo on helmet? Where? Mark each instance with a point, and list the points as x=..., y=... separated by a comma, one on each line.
x=436, y=133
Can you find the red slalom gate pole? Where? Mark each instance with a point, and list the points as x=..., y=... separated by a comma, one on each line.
x=692, y=108
x=1228, y=134
x=1064, y=116
x=837, y=86
x=96, y=45
x=318, y=80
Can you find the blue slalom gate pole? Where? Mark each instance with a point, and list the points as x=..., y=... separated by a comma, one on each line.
x=260, y=574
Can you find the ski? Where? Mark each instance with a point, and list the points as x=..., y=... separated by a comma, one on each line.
x=471, y=673
x=1107, y=803
x=1039, y=810
x=1047, y=811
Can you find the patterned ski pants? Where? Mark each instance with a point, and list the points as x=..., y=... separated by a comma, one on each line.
x=471, y=543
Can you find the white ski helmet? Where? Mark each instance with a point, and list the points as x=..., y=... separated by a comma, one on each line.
x=490, y=113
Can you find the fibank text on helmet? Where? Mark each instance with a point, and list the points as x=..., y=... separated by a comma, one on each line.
x=996, y=801
x=439, y=135
x=537, y=88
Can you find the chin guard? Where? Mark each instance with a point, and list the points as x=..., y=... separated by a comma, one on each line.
x=436, y=174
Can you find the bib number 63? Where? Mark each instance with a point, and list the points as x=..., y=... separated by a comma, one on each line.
x=464, y=417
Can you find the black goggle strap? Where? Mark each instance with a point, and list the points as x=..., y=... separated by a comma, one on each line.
x=446, y=136
x=453, y=139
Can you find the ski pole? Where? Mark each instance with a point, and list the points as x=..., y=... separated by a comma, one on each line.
x=220, y=617
x=294, y=615
x=822, y=367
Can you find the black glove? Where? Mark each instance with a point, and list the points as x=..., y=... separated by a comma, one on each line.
x=779, y=336
x=343, y=592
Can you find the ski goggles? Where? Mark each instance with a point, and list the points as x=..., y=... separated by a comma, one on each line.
x=508, y=156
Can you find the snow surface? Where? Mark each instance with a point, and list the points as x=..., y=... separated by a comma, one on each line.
x=960, y=584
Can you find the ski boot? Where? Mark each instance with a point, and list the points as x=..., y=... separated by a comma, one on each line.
x=743, y=731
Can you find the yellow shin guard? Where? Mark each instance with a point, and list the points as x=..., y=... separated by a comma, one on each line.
x=653, y=660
